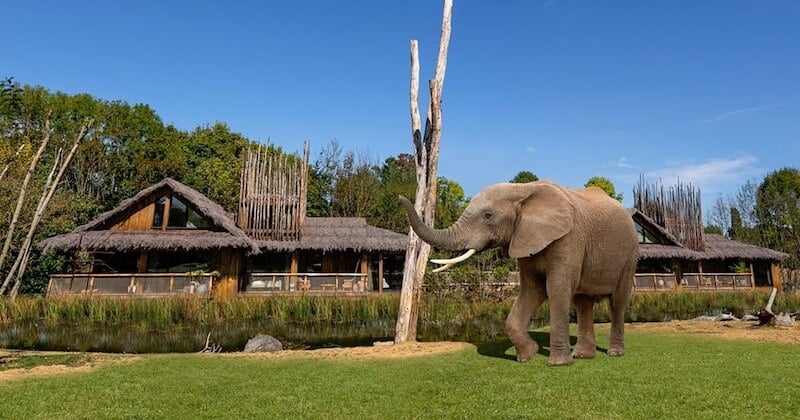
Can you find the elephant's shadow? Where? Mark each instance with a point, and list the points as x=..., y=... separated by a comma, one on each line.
x=500, y=348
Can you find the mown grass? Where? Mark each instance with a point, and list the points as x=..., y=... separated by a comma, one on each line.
x=662, y=376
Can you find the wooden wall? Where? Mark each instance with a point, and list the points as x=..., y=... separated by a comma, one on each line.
x=141, y=220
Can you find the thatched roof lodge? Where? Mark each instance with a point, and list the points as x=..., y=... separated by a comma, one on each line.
x=665, y=263
x=172, y=228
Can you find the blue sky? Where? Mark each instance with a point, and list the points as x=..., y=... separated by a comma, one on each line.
x=708, y=91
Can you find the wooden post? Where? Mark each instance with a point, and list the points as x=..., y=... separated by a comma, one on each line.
x=752, y=276
x=678, y=270
x=364, y=270
x=141, y=265
x=293, y=266
x=426, y=152
x=380, y=273
x=777, y=279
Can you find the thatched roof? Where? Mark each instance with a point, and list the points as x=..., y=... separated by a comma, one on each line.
x=133, y=241
x=97, y=234
x=339, y=234
x=716, y=247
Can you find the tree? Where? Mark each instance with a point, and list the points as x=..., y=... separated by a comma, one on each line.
x=715, y=229
x=524, y=176
x=604, y=184
x=397, y=177
x=777, y=211
x=426, y=155
x=450, y=202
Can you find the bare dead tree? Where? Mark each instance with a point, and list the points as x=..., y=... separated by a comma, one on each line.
x=23, y=190
x=426, y=153
x=20, y=265
x=8, y=165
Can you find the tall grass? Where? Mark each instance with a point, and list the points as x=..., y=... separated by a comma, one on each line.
x=175, y=311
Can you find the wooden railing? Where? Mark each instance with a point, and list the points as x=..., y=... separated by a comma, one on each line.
x=713, y=281
x=654, y=281
x=130, y=284
x=692, y=281
x=307, y=282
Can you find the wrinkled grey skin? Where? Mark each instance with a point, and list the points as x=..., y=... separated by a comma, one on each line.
x=571, y=245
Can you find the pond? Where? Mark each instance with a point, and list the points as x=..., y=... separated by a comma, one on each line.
x=233, y=336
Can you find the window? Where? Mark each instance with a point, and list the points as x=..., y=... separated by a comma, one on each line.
x=181, y=216
x=646, y=237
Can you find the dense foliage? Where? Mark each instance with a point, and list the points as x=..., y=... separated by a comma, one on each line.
x=766, y=213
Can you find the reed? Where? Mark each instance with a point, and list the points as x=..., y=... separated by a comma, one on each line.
x=179, y=311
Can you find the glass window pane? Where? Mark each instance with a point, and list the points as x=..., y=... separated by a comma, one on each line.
x=177, y=213
x=158, y=216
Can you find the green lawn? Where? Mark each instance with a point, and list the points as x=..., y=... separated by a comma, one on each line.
x=661, y=376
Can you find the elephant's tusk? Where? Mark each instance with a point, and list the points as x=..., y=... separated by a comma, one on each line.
x=442, y=268
x=449, y=262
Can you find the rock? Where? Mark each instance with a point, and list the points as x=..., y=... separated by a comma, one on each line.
x=749, y=317
x=383, y=343
x=262, y=343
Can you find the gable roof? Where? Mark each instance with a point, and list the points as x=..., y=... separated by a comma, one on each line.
x=339, y=234
x=98, y=234
x=651, y=226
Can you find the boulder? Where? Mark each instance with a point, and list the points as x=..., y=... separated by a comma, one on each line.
x=262, y=343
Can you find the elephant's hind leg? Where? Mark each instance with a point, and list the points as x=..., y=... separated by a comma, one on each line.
x=619, y=302
x=532, y=293
x=586, y=346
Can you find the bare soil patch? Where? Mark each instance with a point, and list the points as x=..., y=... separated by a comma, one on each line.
x=83, y=364
x=731, y=330
x=391, y=351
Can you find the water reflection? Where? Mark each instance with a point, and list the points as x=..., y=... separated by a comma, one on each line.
x=232, y=337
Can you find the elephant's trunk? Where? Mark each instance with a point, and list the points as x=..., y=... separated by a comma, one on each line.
x=448, y=239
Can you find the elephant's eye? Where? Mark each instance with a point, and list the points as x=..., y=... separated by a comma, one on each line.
x=487, y=216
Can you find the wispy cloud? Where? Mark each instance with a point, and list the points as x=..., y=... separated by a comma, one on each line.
x=623, y=163
x=710, y=173
x=741, y=111
x=530, y=149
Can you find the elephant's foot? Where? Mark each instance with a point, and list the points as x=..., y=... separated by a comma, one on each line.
x=559, y=360
x=584, y=352
x=616, y=351
x=526, y=351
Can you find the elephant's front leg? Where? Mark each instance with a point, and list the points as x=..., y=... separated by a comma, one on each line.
x=531, y=295
x=559, y=294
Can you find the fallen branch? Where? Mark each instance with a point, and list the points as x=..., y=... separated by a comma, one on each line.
x=210, y=347
x=767, y=317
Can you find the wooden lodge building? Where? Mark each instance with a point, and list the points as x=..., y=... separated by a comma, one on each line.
x=675, y=253
x=171, y=239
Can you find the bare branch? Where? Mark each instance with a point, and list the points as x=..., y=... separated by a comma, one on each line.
x=23, y=191
x=8, y=165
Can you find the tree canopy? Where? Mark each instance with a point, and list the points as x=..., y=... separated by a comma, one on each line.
x=604, y=184
x=524, y=176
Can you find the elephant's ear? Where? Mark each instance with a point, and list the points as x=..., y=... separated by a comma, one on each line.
x=544, y=216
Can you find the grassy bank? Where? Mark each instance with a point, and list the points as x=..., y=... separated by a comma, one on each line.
x=661, y=376
x=168, y=312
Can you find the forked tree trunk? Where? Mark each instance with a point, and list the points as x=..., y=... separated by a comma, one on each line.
x=426, y=151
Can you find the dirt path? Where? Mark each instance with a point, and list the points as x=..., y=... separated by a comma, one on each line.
x=735, y=330
x=732, y=330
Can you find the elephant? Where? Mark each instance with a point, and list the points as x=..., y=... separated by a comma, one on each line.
x=571, y=245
